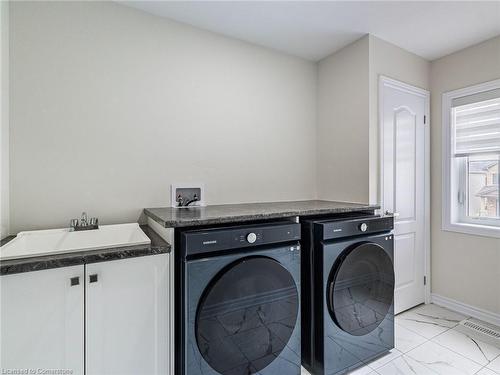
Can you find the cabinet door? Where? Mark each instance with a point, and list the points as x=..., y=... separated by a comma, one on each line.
x=127, y=316
x=42, y=320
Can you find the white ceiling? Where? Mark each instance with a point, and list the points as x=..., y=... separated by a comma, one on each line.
x=314, y=30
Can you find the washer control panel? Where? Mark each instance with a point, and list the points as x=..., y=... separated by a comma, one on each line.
x=248, y=237
x=225, y=238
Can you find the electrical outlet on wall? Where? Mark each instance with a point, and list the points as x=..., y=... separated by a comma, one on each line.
x=187, y=195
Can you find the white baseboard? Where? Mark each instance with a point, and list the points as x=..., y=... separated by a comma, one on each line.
x=465, y=309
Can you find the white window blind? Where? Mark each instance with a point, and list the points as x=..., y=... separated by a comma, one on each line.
x=476, y=123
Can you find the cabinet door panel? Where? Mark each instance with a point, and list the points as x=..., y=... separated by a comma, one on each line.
x=127, y=318
x=42, y=320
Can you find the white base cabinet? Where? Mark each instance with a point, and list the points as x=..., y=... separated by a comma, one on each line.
x=114, y=319
x=127, y=322
x=42, y=320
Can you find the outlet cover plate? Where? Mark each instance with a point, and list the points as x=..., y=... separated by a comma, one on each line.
x=187, y=188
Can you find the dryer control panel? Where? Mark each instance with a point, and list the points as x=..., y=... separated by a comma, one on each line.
x=333, y=229
x=226, y=238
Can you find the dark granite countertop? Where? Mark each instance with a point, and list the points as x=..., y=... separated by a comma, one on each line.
x=7, y=239
x=157, y=246
x=231, y=213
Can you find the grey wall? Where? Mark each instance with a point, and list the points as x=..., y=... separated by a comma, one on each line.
x=464, y=267
x=348, y=141
x=109, y=106
x=343, y=138
x=4, y=119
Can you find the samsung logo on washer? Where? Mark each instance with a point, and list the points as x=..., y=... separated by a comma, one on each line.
x=335, y=230
x=211, y=242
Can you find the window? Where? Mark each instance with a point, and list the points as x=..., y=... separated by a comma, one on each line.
x=480, y=187
x=471, y=157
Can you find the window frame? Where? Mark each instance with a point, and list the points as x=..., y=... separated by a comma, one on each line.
x=455, y=182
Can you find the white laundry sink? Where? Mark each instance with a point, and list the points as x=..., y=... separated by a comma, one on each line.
x=57, y=241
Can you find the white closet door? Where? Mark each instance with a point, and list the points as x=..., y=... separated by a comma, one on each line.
x=403, y=185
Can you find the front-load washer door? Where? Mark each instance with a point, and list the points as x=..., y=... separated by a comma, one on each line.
x=246, y=316
x=360, y=288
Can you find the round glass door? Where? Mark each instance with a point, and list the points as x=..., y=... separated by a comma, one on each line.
x=360, y=288
x=246, y=316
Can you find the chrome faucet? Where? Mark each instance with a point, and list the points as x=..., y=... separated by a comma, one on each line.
x=83, y=219
x=73, y=224
x=84, y=223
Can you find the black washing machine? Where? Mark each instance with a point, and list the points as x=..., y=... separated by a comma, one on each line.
x=348, y=290
x=238, y=300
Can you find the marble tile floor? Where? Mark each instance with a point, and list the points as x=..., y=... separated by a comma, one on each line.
x=427, y=343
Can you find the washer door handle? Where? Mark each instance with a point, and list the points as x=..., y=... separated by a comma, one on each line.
x=330, y=295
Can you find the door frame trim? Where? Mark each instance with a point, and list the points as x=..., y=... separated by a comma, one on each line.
x=385, y=81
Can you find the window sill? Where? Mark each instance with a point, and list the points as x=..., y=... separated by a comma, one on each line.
x=473, y=229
